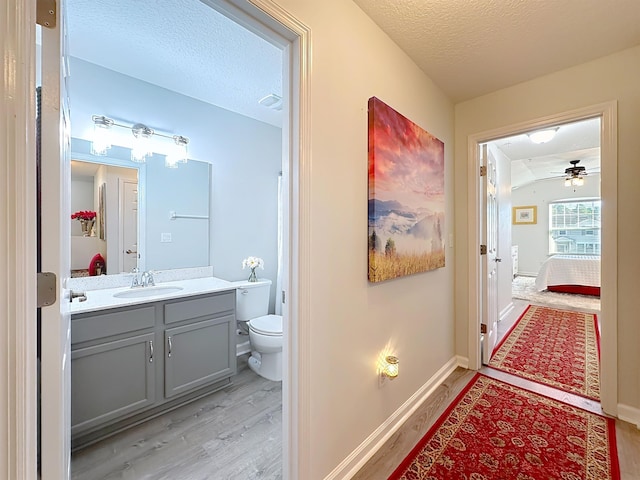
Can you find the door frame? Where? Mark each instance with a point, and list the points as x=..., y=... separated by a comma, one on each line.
x=18, y=374
x=18, y=370
x=609, y=269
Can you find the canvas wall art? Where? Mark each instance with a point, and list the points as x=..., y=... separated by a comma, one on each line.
x=406, y=196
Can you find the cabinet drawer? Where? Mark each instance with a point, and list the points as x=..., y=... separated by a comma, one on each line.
x=199, y=307
x=91, y=327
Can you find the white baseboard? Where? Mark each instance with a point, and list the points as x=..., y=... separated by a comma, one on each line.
x=506, y=311
x=462, y=361
x=356, y=460
x=629, y=414
x=527, y=274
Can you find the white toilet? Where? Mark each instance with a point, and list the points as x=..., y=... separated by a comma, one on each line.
x=265, y=331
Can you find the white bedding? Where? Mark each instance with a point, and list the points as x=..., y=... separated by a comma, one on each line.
x=569, y=270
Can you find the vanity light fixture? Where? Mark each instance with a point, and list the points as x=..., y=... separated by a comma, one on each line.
x=141, y=146
x=101, y=135
x=178, y=153
x=390, y=367
x=543, y=136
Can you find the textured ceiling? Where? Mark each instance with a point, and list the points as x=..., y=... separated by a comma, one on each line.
x=472, y=47
x=468, y=48
x=180, y=45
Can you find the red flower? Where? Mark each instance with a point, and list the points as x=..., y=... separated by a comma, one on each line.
x=83, y=215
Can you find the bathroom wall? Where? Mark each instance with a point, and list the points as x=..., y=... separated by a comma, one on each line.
x=245, y=157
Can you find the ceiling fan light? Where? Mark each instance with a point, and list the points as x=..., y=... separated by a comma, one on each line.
x=543, y=136
x=567, y=182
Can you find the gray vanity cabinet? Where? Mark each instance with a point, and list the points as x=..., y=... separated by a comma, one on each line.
x=131, y=363
x=198, y=342
x=196, y=354
x=111, y=380
x=112, y=365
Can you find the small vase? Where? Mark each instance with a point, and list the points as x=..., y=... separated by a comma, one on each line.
x=252, y=275
x=86, y=226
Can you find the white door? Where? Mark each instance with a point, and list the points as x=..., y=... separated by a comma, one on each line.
x=55, y=438
x=129, y=226
x=490, y=259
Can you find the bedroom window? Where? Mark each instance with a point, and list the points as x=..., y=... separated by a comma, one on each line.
x=574, y=227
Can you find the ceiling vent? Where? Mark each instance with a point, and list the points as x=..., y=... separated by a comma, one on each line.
x=271, y=101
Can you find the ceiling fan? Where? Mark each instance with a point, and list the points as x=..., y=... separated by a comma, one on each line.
x=575, y=170
x=574, y=175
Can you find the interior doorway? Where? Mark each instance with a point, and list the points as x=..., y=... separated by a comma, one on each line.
x=555, y=180
x=293, y=38
x=607, y=114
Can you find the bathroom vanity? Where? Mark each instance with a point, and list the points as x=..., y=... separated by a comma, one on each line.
x=134, y=357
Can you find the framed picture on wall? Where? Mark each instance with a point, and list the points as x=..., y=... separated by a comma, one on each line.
x=527, y=215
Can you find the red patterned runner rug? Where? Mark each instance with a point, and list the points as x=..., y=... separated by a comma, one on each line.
x=554, y=347
x=494, y=430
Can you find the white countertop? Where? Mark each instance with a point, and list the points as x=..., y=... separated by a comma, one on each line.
x=103, y=299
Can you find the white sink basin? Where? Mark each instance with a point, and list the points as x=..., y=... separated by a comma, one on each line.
x=142, y=292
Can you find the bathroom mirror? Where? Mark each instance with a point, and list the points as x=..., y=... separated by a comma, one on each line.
x=147, y=215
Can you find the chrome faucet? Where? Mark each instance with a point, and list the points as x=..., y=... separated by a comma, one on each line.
x=135, y=281
x=147, y=279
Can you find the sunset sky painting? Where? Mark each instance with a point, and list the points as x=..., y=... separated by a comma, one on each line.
x=406, y=196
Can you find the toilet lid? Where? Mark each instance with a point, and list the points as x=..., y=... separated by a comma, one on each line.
x=267, y=325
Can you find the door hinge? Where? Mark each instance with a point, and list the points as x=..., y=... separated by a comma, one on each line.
x=46, y=289
x=46, y=13
x=483, y=249
x=483, y=171
x=483, y=328
x=283, y=296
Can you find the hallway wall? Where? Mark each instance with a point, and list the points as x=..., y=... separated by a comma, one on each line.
x=351, y=320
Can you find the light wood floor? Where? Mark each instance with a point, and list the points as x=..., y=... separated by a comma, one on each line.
x=235, y=433
x=385, y=461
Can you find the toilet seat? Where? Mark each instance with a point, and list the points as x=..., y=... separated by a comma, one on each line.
x=269, y=325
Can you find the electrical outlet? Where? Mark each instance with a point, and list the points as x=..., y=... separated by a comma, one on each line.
x=165, y=238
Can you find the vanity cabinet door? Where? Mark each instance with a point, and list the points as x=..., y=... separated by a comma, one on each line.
x=198, y=354
x=111, y=380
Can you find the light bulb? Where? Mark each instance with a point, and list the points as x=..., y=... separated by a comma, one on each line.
x=101, y=135
x=141, y=147
x=391, y=366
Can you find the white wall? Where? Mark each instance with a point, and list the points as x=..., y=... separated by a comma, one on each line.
x=351, y=320
x=245, y=157
x=533, y=240
x=614, y=77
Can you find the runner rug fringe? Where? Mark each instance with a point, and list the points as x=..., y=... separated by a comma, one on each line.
x=494, y=430
x=559, y=348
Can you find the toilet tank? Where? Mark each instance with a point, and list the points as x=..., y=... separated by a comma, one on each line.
x=252, y=299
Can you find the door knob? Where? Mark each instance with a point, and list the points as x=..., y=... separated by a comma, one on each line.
x=498, y=260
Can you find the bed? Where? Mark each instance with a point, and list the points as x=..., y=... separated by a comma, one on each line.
x=570, y=274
